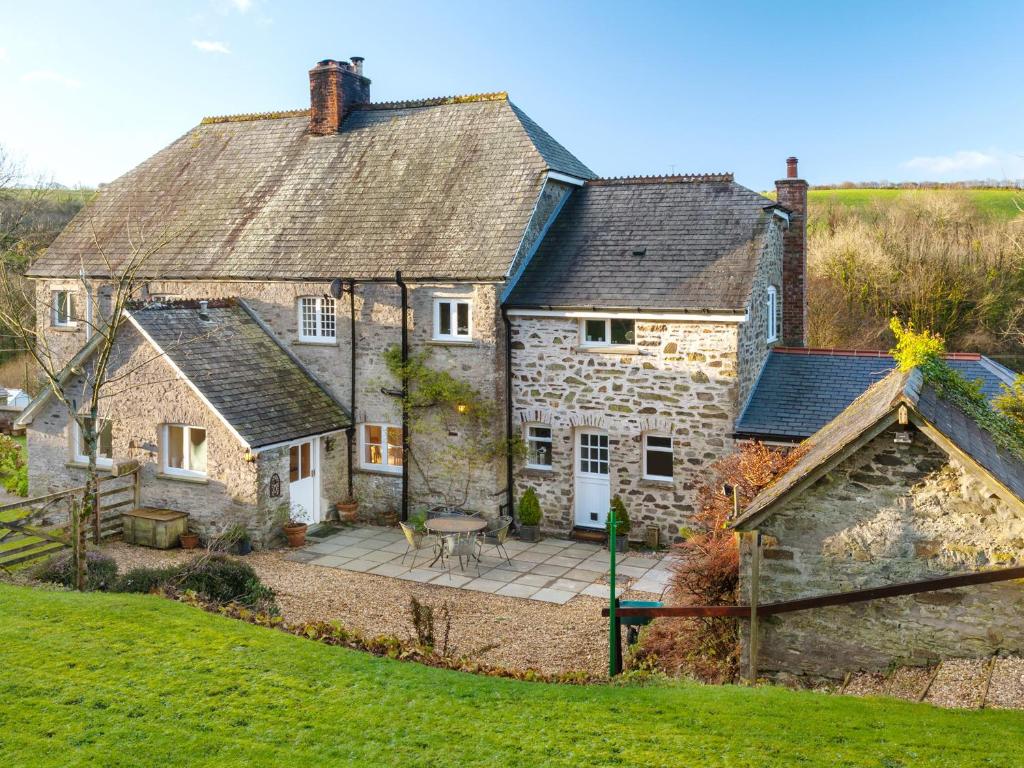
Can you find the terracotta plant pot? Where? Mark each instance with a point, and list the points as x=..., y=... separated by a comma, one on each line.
x=189, y=540
x=348, y=511
x=389, y=518
x=296, y=534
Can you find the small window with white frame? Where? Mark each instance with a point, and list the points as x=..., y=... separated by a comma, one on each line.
x=453, y=319
x=538, y=446
x=104, y=442
x=318, y=322
x=183, y=450
x=62, y=309
x=607, y=332
x=772, y=312
x=381, y=448
x=657, y=457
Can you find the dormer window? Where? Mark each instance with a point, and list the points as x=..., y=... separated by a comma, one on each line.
x=453, y=320
x=772, y=314
x=317, y=320
x=607, y=332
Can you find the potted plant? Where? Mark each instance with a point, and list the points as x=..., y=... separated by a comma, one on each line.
x=418, y=521
x=622, y=525
x=529, y=516
x=295, y=532
x=388, y=518
x=189, y=539
x=348, y=510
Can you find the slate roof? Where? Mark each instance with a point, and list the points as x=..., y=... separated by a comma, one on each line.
x=262, y=391
x=677, y=242
x=876, y=408
x=435, y=188
x=801, y=390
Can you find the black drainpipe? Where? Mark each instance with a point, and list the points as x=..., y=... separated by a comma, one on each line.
x=350, y=433
x=509, y=490
x=405, y=394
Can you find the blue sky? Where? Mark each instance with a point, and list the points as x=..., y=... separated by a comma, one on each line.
x=859, y=91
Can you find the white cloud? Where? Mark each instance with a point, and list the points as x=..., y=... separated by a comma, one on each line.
x=211, y=46
x=242, y=6
x=49, y=76
x=969, y=164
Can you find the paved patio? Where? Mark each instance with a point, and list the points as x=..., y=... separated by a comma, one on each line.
x=552, y=570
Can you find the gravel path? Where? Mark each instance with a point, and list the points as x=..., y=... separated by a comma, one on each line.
x=515, y=633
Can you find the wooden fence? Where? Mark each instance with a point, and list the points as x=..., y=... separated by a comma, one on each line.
x=753, y=611
x=40, y=526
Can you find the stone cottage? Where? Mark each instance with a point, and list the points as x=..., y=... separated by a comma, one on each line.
x=627, y=330
x=903, y=485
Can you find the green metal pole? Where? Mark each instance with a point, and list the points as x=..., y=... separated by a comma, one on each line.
x=613, y=648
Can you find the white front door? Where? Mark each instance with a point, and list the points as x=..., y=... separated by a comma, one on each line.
x=303, y=481
x=593, y=488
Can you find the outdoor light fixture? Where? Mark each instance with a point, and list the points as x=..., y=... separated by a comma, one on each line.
x=462, y=408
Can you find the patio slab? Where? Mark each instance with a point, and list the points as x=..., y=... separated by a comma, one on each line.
x=552, y=570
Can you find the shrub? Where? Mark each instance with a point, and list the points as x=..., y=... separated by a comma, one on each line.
x=914, y=348
x=224, y=580
x=623, y=526
x=1011, y=402
x=529, y=508
x=13, y=468
x=100, y=570
x=707, y=567
x=144, y=580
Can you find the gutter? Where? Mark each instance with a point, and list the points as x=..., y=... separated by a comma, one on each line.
x=509, y=468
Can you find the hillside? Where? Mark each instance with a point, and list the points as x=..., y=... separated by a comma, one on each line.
x=118, y=680
x=1000, y=204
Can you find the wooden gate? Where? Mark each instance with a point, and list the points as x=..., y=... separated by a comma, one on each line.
x=40, y=526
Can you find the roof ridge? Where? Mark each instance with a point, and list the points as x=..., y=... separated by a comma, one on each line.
x=434, y=101
x=221, y=303
x=250, y=116
x=847, y=352
x=670, y=179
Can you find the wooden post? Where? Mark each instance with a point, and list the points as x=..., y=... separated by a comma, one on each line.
x=755, y=594
x=96, y=515
x=137, y=487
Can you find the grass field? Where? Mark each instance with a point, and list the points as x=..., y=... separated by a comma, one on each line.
x=999, y=203
x=121, y=680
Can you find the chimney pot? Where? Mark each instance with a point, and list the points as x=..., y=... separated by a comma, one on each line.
x=334, y=88
x=791, y=172
x=357, y=64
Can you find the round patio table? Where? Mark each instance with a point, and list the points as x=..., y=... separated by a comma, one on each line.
x=455, y=524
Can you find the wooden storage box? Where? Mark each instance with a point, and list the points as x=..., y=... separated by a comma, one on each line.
x=151, y=527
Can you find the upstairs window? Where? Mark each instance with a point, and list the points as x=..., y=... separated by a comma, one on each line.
x=772, y=303
x=184, y=450
x=538, y=446
x=452, y=320
x=317, y=320
x=104, y=443
x=382, y=447
x=62, y=309
x=608, y=332
x=657, y=457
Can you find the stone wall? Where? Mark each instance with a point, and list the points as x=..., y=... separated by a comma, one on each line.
x=680, y=380
x=753, y=334
x=890, y=513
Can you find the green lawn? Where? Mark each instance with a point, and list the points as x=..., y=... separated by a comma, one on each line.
x=119, y=680
x=999, y=203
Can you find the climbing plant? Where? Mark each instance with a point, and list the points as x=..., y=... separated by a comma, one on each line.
x=455, y=431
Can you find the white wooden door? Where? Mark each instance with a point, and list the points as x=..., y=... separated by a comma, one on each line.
x=593, y=487
x=303, y=481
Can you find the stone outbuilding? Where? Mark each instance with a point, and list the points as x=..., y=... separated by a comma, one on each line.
x=903, y=485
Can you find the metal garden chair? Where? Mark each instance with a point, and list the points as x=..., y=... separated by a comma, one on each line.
x=495, y=536
x=416, y=540
x=464, y=546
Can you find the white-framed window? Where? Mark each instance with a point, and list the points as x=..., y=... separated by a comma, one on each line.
x=538, y=446
x=183, y=450
x=607, y=332
x=381, y=447
x=62, y=309
x=772, y=306
x=657, y=456
x=453, y=319
x=104, y=443
x=318, y=321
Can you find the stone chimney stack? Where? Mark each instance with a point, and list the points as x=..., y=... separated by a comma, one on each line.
x=792, y=193
x=334, y=88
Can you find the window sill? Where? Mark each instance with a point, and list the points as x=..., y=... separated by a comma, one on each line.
x=313, y=343
x=538, y=471
x=611, y=349
x=453, y=342
x=652, y=482
x=378, y=471
x=64, y=328
x=183, y=478
x=83, y=465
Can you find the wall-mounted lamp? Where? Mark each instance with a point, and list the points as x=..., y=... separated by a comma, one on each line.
x=462, y=408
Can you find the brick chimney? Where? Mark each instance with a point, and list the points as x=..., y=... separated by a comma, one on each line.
x=334, y=87
x=792, y=193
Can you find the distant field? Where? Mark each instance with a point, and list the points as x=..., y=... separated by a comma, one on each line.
x=1000, y=203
